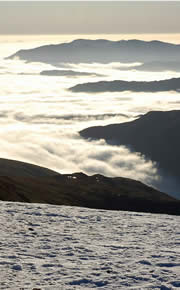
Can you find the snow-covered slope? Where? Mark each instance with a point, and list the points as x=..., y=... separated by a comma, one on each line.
x=58, y=247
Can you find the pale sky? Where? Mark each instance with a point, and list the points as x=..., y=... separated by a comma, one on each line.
x=89, y=17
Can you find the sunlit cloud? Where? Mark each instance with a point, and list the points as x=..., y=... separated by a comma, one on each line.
x=66, y=153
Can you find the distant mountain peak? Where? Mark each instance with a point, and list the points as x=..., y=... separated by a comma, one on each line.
x=103, y=51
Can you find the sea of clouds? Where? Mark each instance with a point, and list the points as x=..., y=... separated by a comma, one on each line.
x=40, y=119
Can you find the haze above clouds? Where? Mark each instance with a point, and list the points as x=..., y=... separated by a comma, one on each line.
x=88, y=17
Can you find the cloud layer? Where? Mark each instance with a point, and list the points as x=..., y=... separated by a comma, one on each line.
x=40, y=120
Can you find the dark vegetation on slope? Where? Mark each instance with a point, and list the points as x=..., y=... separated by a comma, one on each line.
x=102, y=51
x=79, y=189
x=155, y=135
x=121, y=86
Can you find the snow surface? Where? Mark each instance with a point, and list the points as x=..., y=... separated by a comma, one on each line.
x=58, y=247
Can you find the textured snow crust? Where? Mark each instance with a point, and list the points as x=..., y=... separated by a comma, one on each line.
x=58, y=247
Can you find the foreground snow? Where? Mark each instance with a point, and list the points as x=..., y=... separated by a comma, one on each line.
x=57, y=247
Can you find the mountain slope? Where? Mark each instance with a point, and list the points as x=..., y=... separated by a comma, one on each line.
x=94, y=191
x=17, y=168
x=103, y=51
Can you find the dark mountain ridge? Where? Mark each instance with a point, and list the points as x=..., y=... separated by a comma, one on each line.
x=70, y=73
x=121, y=86
x=155, y=135
x=102, y=51
x=10, y=167
x=78, y=189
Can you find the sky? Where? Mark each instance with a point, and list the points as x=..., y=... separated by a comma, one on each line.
x=89, y=17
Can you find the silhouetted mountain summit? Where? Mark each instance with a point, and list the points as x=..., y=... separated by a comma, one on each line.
x=121, y=86
x=101, y=50
x=155, y=135
x=10, y=167
x=78, y=189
